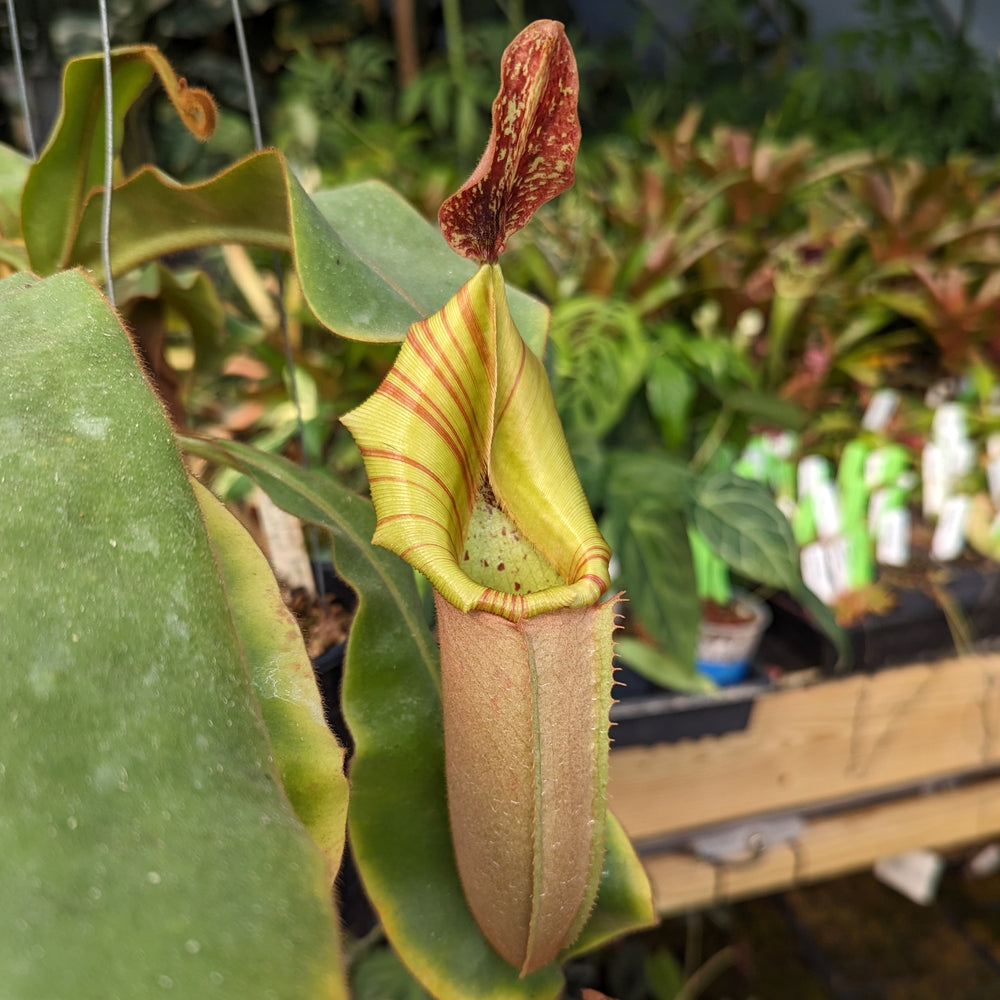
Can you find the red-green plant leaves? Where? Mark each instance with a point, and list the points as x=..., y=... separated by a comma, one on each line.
x=532, y=149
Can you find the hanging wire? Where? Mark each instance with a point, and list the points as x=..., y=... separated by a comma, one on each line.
x=22, y=86
x=258, y=138
x=241, y=41
x=109, y=153
x=292, y=381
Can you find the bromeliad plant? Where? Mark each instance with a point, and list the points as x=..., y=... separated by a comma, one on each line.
x=190, y=815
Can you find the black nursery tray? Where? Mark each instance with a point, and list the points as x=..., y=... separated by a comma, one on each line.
x=916, y=629
x=647, y=715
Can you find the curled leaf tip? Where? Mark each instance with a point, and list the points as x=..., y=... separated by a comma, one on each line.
x=195, y=105
x=532, y=149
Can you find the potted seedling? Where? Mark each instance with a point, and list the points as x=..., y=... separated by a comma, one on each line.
x=732, y=622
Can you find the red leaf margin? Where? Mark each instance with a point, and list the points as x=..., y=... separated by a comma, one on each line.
x=531, y=155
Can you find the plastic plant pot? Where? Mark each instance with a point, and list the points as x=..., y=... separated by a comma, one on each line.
x=726, y=648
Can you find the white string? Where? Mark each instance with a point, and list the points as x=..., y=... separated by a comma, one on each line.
x=109, y=153
x=22, y=86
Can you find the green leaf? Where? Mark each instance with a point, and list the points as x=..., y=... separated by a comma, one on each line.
x=72, y=162
x=378, y=974
x=308, y=756
x=13, y=254
x=599, y=359
x=391, y=699
x=669, y=392
x=152, y=215
x=739, y=520
x=369, y=264
x=13, y=173
x=625, y=901
x=633, y=474
x=658, y=570
x=765, y=407
x=823, y=616
x=663, y=974
x=188, y=294
x=384, y=231
x=661, y=668
x=145, y=843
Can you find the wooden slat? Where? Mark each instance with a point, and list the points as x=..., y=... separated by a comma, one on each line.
x=828, y=742
x=832, y=845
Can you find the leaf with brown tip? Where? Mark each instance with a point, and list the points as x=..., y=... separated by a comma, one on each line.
x=72, y=163
x=531, y=154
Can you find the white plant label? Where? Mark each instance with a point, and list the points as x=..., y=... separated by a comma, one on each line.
x=949, y=535
x=993, y=479
x=880, y=410
x=875, y=469
x=934, y=479
x=949, y=423
x=837, y=561
x=960, y=458
x=993, y=467
x=892, y=545
x=914, y=874
x=876, y=507
x=816, y=572
x=813, y=469
x=783, y=444
x=826, y=508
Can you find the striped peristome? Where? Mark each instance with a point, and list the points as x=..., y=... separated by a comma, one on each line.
x=464, y=424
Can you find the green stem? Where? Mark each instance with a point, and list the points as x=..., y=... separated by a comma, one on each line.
x=713, y=439
x=712, y=968
x=454, y=41
x=463, y=110
x=514, y=10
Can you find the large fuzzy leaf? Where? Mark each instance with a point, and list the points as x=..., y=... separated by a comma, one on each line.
x=462, y=444
x=392, y=703
x=145, y=843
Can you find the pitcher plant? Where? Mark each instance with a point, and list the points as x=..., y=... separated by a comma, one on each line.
x=473, y=485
